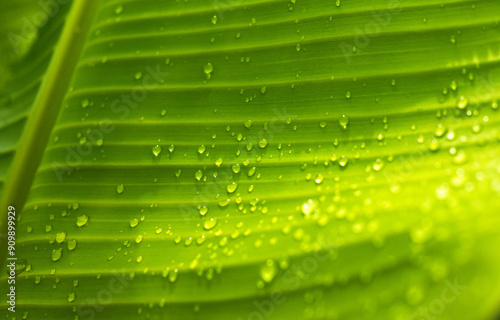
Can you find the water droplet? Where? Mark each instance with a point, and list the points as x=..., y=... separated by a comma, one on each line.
x=248, y=124
x=440, y=130
x=208, y=69
x=134, y=222
x=343, y=161
x=462, y=103
x=263, y=143
x=214, y=19
x=309, y=207
x=263, y=90
x=71, y=245
x=434, y=145
x=201, y=149
x=120, y=188
x=119, y=9
x=319, y=179
x=236, y=168
x=82, y=220
x=156, y=150
x=71, y=297
x=85, y=103
x=218, y=162
x=60, y=237
x=251, y=171
x=56, y=254
x=232, y=187
x=344, y=121
x=378, y=165
x=198, y=175
x=203, y=210
x=210, y=223
x=268, y=271
x=172, y=276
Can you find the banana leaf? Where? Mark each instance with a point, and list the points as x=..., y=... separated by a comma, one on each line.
x=259, y=159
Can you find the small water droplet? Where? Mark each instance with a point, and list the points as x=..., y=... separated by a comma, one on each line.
x=263, y=143
x=156, y=150
x=344, y=121
x=232, y=187
x=120, y=188
x=210, y=223
x=56, y=254
x=268, y=271
x=134, y=222
x=309, y=207
x=198, y=175
x=71, y=245
x=462, y=103
x=202, y=149
x=60, y=237
x=82, y=220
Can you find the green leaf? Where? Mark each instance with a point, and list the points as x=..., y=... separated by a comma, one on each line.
x=264, y=160
x=20, y=91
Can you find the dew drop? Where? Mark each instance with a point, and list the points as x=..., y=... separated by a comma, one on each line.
x=208, y=69
x=156, y=150
x=71, y=245
x=268, y=271
x=203, y=210
x=218, y=162
x=344, y=121
x=56, y=254
x=236, y=168
x=232, y=187
x=210, y=223
x=462, y=103
x=343, y=161
x=202, y=149
x=134, y=222
x=378, y=165
x=119, y=9
x=82, y=220
x=198, y=175
x=309, y=207
x=120, y=188
x=60, y=237
x=85, y=103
